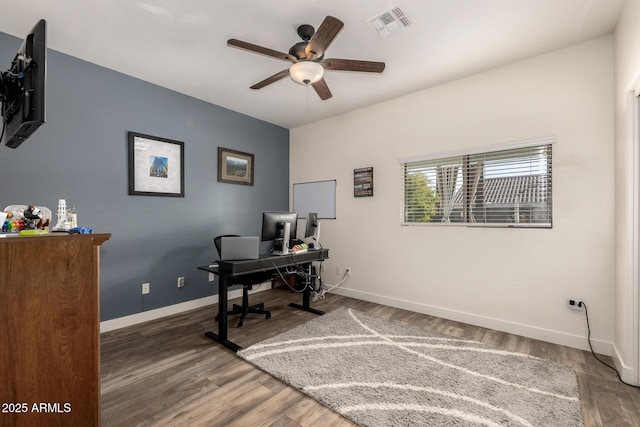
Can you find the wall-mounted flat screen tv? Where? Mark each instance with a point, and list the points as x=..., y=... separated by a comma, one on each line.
x=22, y=88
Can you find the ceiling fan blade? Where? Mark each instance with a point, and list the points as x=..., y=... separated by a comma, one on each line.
x=353, y=65
x=321, y=40
x=260, y=49
x=277, y=76
x=322, y=89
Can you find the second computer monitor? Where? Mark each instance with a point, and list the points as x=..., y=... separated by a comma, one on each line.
x=312, y=223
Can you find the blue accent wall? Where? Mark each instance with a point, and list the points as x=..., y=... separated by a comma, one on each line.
x=80, y=154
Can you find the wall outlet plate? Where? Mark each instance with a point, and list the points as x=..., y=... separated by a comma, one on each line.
x=575, y=304
x=181, y=282
x=146, y=288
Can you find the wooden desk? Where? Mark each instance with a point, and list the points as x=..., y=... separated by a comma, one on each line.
x=228, y=270
x=50, y=330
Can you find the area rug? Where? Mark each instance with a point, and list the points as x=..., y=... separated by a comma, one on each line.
x=380, y=372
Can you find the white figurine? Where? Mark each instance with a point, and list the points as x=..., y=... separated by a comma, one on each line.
x=63, y=220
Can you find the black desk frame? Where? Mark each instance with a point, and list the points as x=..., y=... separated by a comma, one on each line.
x=228, y=270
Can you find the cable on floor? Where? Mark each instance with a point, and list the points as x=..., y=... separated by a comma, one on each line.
x=586, y=314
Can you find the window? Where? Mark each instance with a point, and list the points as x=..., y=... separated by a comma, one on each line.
x=506, y=187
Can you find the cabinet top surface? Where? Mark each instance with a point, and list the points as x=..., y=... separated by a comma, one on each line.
x=98, y=238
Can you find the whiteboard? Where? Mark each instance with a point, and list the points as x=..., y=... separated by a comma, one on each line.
x=318, y=196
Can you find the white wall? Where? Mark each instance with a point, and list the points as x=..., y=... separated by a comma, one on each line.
x=516, y=280
x=627, y=79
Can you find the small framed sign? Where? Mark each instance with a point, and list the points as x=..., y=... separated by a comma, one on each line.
x=363, y=182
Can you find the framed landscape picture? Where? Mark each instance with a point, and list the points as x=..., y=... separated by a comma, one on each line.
x=235, y=167
x=156, y=166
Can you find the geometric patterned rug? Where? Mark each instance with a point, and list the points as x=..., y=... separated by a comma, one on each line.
x=381, y=372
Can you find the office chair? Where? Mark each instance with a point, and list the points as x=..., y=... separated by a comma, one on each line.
x=247, y=282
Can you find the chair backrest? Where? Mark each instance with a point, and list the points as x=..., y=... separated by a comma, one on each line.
x=218, y=242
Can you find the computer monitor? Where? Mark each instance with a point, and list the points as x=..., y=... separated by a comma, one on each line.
x=22, y=88
x=312, y=228
x=274, y=227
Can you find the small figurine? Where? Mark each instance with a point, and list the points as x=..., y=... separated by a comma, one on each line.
x=31, y=217
x=63, y=219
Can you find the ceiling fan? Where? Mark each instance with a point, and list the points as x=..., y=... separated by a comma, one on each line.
x=307, y=57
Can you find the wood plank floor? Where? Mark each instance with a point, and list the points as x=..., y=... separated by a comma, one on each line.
x=167, y=373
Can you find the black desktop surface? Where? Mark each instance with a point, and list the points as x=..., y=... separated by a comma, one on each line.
x=269, y=261
x=228, y=270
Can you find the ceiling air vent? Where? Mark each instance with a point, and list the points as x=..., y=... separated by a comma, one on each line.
x=390, y=22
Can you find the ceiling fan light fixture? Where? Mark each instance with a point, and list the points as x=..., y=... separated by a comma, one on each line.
x=306, y=72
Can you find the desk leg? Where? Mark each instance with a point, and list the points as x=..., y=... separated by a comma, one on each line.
x=306, y=306
x=222, y=318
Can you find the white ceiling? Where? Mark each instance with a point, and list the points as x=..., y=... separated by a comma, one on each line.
x=181, y=45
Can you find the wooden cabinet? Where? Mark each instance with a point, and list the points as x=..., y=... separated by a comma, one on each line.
x=50, y=330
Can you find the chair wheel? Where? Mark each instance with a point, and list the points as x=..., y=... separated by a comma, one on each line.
x=268, y=316
x=240, y=324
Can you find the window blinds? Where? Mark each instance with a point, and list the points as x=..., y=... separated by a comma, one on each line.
x=509, y=187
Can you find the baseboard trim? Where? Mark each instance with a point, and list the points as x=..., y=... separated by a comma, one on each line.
x=628, y=374
x=158, y=313
x=556, y=337
x=552, y=336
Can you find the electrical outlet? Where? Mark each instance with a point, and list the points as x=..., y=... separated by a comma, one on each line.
x=575, y=304
x=347, y=271
x=146, y=288
x=212, y=277
x=181, y=282
x=338, y=271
